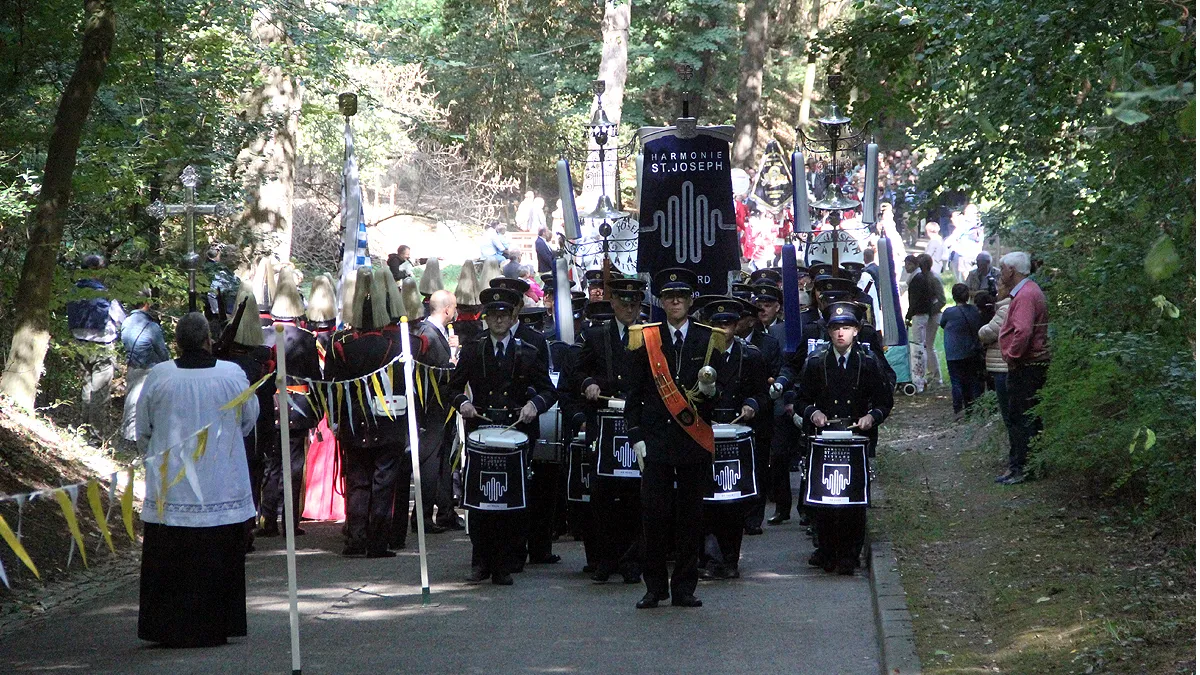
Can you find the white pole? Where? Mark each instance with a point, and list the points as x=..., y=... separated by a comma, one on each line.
x=288, y=510
x=409, y=366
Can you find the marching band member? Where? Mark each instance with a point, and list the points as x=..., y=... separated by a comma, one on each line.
x=300, y=349
x=510, y=382
x=741, y=393
x=768, y=340
x=604, y=371
x=372, y=441
x=667, y=417
x=841, y=380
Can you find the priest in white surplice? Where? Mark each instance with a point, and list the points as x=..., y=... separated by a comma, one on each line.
x=193, y=583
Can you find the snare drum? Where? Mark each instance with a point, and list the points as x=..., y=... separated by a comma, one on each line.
x=547, y=447
x=616, y=458
x=733, y=463
x=494, y=479
x=579, y=471
x=836, y=473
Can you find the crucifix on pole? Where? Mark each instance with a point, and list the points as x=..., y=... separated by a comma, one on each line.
x=189, y=208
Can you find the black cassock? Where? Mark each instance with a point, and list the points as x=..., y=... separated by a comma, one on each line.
x=851, y=392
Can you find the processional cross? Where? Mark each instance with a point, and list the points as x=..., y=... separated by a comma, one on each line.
x=189, y=208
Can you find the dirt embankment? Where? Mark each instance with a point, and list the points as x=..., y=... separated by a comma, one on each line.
x=1031, y=578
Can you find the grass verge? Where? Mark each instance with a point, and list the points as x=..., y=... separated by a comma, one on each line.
x=1023, y=579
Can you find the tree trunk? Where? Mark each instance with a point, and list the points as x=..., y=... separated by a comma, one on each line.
x=31, y=338
x=750, y=80
x=614, y=67
x=810, y=71
x=269, y=161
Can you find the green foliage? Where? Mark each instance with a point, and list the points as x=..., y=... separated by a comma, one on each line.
x=1076, y=124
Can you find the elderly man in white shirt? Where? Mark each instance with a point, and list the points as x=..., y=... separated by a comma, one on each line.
x=193, y=583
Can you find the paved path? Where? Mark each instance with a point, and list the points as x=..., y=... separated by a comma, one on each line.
x=365, y=616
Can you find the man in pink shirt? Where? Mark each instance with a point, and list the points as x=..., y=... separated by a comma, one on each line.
x=1025, y=347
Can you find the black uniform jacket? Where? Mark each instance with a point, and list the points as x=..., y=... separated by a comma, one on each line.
x=256, y=362
x=605, y=361
x=741, y=380
x=508, y=384
x=646, y=416
x=353, y=354
x=300, y=348
x=851, y=392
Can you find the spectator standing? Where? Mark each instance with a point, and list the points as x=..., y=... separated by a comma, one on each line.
x=193, y=576
x=960, y=339
x=145, y=347
x=989, y=337
x=545, y=255
x=1025, y=346
x=936, y=248
x=984, y=279
x=925, y=301
x=869, y=265
x=95, y=323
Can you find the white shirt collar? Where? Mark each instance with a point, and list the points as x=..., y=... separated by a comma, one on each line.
x=682, y=329
x=1018, y=287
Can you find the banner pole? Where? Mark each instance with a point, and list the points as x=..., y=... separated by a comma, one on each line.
x=414, y=446
x=289, y=510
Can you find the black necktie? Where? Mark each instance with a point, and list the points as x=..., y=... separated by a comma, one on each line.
x=500, y=351
x=678, y=341
x=842, y=362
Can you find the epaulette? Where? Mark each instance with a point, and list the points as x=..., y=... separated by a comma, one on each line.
x=717, y=342
x=636, y=341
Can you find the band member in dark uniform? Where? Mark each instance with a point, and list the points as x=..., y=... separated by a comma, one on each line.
x=509, y=383
x=300, y=348
x=438, y=349
x=741, y=393
x=842, y=381
x=604, y=372
x=242, y=343
x=667, y=416
x=768, y=342
x=594, y=279
x=372, y=441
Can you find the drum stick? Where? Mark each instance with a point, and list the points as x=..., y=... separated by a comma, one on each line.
x=485, y=419
x=737, y=419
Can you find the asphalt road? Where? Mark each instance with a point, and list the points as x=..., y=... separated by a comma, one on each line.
x=366, y=616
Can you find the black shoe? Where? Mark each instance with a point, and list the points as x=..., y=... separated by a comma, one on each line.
x=829, y=565
x=651, y=599
x=267, y=531
x=384, y=553
x=433, y=528
x=548, y=559
x=299, y=532
x=477, y=576
x=816, y=560
x=686, y=601
x=588, y=568
x=455, y=524
x=803, y=519
x=707, y=573
x=753, y=530
x=354, y=550
x=733, y=573
x=845, y=566
x=502, y=579
x=602, y=573
x=778, y=519
x=631, y=574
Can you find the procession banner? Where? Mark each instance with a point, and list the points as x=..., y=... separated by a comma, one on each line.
x=773, y=182
x=687, y=217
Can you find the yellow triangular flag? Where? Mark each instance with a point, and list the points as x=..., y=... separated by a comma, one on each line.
x=93, y=495
x=68, y=509
x=127, y=506
x=201, y=443
x=15, y=544
x=246, y=394
x=162, y=485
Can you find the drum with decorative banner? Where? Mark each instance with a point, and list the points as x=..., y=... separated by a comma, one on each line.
x=494, y=479
x=579, y=470
x=616, y=458
x=733, y=463
x=837, y=471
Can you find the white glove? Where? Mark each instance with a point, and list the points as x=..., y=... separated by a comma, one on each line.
x=639, y=451
x=776, y=391
x=798, y=421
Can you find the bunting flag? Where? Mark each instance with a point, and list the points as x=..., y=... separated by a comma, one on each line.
x=14, y=543
x=93, y=495
x=127, y=505
x=67, y=504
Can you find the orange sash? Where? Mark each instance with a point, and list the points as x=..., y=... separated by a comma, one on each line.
x=676, y=403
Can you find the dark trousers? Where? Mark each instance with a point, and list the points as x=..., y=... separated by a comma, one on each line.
x=617, y=510
x=757, y=506
x=493, y=535
x=723, y=530
x=839, y=531
x=1000, y=384
x=683, y=488
x=445, y=486
x=370, y=489
x=430, y=466
x=272, y=496
x=582, y=522
x=965, y=386
x=785, y=442
x=1023, y=385
x=542, y=496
